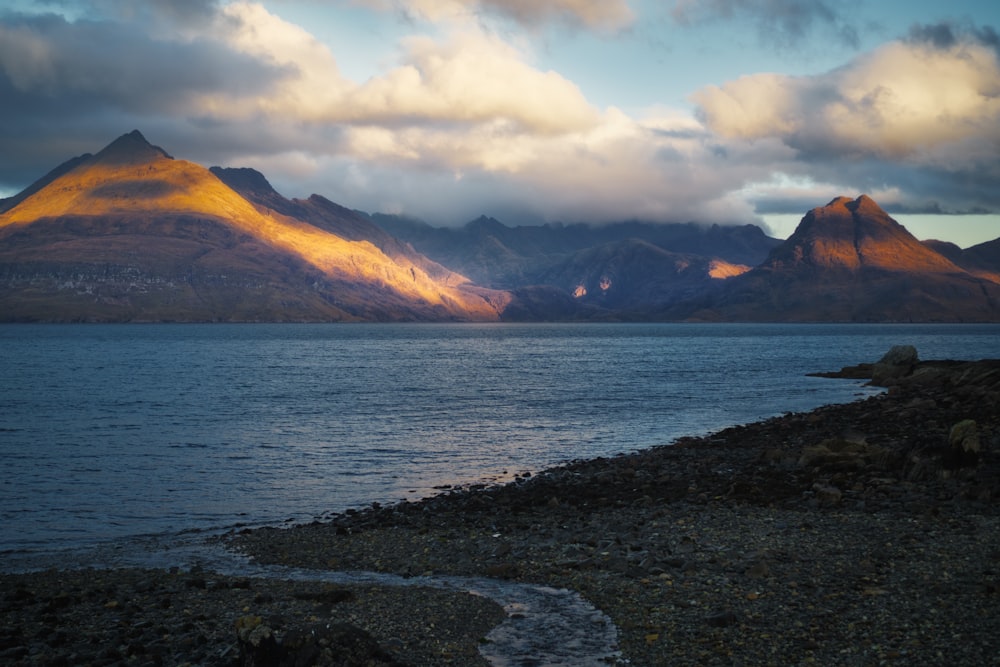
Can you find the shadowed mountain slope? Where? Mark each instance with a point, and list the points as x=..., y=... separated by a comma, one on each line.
x=503, y=257
x=627, y=270
x=982, y=260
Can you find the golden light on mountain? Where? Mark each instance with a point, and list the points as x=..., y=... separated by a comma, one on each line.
x=131, y=180
x=721, y=269
x=856, y=233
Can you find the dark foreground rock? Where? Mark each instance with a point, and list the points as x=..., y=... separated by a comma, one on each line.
x=858, y=534
x=155, y=617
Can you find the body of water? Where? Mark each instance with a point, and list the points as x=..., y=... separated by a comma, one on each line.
x=112, y=431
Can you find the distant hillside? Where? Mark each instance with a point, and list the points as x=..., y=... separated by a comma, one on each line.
x=849, y=261
x=503, y=257
x=626, y=270
x=981, y=260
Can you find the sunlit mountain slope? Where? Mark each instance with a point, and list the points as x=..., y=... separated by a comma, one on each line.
x=133, y=234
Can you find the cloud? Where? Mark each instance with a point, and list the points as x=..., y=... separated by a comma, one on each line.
x=471, y=77
x=68, y=85
x=947, y=35
x=48, y=57
x=600, y=15
x=781, y=23
x=461, y=123
x=663, y=167
x=922, y=109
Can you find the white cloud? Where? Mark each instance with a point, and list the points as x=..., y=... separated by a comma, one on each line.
x=471, y=77
x=904, y=101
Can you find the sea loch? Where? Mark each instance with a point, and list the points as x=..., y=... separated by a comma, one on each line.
x=113, y=431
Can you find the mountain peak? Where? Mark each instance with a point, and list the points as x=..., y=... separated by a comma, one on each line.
x=865, y=205
x=244, y=180
x=855, y=234
x=839, y=201
x=131, y=148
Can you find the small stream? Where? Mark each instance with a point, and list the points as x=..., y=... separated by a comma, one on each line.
x=544, y=626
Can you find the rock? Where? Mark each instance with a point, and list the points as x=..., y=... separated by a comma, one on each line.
x=722, y=619
x=898, y=362
x=308, y=645
x=965, y=436
x=827, y=495
x=840, y=454
x=900, y=355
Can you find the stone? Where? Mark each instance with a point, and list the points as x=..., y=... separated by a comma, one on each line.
x=898, y=362
x=827, y=495
x=965, y=436
x=722, y=619
x=307, y=645
x=840, y=454
x=900, y=355
x=758, y=570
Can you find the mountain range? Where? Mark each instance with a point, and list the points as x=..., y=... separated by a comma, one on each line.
x=132, y=234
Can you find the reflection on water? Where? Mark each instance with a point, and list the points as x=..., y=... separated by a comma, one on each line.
x=109, y=431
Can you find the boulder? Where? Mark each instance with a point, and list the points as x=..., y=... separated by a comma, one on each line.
x=897, y=363
x=276, y=644
x=839, y=454
x=827, y=495
x=964, y=436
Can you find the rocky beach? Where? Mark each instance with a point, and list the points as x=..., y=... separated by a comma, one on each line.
x=859, y=534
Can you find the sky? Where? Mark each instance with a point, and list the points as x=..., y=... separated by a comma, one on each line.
x=714, y=111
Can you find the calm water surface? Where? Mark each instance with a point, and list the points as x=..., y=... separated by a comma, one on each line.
x=121, y=430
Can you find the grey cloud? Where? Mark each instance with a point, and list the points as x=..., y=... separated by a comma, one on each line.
x=782, y=23
x=946, y=35
x=73, y=87
x=181, y=12
x=120, y=66
x=921, y=189
x=940, y=36
x=686, y=133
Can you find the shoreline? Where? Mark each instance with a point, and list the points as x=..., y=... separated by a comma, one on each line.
x=851, y=534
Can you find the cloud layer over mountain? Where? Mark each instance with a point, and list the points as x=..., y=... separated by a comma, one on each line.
x=462, y=116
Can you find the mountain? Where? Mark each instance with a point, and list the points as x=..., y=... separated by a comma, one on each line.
x=849, y=261
x=328, y=216
x=503, y=257
x=626, y=270
x=981, y=260
x=132, y=234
